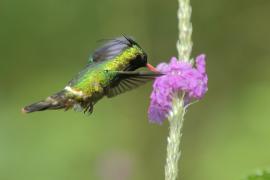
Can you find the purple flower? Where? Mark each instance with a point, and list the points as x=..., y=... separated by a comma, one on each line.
x=179, y=76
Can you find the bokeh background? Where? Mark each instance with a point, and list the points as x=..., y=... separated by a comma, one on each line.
x=44, y=43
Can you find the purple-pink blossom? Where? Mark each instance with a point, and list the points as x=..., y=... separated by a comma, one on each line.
x=179, y=76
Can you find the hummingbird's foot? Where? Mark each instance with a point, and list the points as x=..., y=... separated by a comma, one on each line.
x=89, y=108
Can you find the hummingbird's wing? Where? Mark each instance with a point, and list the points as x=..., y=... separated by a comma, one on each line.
x=128, y=80
x=111, y=49
x=107, y=51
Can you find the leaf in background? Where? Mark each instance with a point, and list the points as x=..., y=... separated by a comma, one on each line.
x=262, y=175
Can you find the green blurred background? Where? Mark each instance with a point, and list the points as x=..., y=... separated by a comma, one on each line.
x=44, y=43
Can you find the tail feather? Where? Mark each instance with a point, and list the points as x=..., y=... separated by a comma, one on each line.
x=56, y=101
x=41, y=106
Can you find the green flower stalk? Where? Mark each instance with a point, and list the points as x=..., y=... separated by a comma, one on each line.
x=184, y=43
x=176, y=116
x=182, y=83
x=176, y=119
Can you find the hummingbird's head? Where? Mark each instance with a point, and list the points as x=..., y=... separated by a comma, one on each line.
x=141, y=61
x=127, y=49
x=141, y=58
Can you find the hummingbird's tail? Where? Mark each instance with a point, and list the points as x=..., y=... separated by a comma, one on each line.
x=52, y=102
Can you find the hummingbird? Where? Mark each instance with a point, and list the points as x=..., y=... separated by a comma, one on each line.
x=110, y=71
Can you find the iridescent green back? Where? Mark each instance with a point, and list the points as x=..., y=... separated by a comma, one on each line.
x=116, y=55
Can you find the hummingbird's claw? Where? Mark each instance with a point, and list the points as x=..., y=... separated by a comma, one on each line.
x=89, y=108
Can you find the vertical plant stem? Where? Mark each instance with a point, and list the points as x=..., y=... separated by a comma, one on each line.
x=176, y=116
x=176, y=119
x=184, y=43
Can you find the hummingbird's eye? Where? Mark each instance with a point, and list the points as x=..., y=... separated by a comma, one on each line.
x=144, y=59
x=139, y=61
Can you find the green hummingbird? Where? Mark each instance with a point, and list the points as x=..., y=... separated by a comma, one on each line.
x=109, y=72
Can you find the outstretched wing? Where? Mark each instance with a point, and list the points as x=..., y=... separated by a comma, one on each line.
x=112, y=48
x=109, y=50
x=128, y=80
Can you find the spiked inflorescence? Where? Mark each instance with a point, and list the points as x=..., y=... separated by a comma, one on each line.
x=179, y=77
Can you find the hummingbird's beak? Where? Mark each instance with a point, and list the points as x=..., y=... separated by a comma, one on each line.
x=151, y=68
